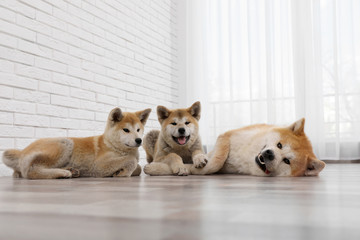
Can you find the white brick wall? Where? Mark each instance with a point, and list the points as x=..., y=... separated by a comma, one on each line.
x=64, y=64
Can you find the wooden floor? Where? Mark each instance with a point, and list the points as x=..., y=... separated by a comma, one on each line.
x=193, y=207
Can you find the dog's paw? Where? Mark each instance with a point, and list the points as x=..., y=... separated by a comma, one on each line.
x=182, y=171
x=122, y=172
x=75, y=173
x=200, y=160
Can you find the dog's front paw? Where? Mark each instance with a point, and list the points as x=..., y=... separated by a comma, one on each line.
x=74, y=172
x=182, y=171
x=200, y=160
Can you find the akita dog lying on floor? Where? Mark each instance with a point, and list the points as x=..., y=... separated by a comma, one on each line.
x=177, y=143
x=260, y=150
x=115, y=153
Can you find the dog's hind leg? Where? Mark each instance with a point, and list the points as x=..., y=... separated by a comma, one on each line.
x=137, y=171
x=39, y=165
x=217, y=157
x=40, y=172
x=158, y=169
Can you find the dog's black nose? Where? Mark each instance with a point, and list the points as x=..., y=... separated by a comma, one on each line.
x=181, y=130
x=269, y=154
x=138, y=140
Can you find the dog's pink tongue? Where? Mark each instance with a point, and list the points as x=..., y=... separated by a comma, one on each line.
x=182, y=140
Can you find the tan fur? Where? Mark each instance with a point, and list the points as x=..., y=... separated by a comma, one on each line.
x=115, y=153
x=165, y=155
x=235, y=152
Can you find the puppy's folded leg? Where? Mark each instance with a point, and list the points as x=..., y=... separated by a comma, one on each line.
x=157, y=169
x=137, y=171
x=125, y=168
x=40, y=172
x=176, y=164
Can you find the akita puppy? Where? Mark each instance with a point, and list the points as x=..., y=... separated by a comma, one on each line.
x=262, y=150
x=177, y=143
x=115, y=153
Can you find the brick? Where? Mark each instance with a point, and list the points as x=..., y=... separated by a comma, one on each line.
x=16, y=106
x=33, y=25
x=16, y=131
x=32, y=72
x=19, y=7
x=65, y=101
x=21, y=143
x=91, y=86
x=54, y=88
x=31, y=96
x=8, y=40
x=7, y=15
x=50, y=132
x=80, y=33
x=50, y=20
x=91, y=125
x=51, y=110
x=66, y=79
x=17, y=30
x=61, y=4
x=64, y=123
x=81, y=133
x=6, y=92
x=50, y=65
x=80, y=73
x=83, y=94
x=66, y=59
x=81, y=114
x=101, y=116
x=51, y=43
x=40, y=5
x=16, y=56
x=34, y=49
x=31, y=120
x=6, y=143
x=6, y=118
x=106, y=99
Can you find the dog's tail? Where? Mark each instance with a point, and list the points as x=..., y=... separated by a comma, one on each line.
x=149, y=144
x=11, y=159
x=217, y=157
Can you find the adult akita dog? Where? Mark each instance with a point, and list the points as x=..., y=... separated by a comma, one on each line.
x=115, y=153
x=263, y=150
x=177, y=143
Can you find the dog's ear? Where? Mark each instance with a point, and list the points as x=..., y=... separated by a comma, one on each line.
x=115, y=115
x=195, y=110
x=298, y=127
x=163, y=113
x=143, y=115
x=314, y=167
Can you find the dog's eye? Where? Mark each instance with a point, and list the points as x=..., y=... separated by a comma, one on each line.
x=186, y=123
x=279, y=145
x=173, y=123
x=126, y=130
x=287, y=161
x=138, y=130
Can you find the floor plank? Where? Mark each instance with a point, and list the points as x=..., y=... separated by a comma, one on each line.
x=193, y=207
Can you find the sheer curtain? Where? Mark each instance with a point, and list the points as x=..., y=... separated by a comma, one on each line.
x=262, y=61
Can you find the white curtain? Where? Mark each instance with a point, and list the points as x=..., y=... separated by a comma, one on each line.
x=275, y=61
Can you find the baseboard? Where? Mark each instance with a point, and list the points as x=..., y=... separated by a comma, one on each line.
x=341, y=161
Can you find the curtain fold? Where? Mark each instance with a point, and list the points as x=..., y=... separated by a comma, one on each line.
x=261, y=61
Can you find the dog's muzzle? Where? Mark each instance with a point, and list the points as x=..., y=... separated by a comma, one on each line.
x=181, y=140
x=260, y=161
